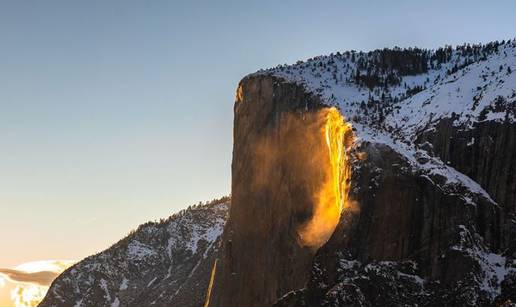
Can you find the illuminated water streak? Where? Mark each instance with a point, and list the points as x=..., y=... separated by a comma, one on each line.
x=331, y=198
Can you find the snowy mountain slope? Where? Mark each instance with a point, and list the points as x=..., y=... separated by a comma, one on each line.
x=392, y=96
x=465, y=83
x=158, y=264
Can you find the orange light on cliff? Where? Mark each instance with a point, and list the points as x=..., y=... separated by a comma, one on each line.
x=210, y=285
x=332, y=196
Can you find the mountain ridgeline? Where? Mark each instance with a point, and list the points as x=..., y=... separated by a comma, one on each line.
x=164, y=263
x=380, y=178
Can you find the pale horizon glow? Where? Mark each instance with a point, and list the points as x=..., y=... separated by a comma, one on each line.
x=21, y=286
x=114, y=114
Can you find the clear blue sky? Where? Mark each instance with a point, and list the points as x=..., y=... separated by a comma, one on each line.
x=113, y=113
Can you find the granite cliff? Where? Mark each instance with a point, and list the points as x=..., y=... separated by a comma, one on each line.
x=429, y=216
x=380, y=178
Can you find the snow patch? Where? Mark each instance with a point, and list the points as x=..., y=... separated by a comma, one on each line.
x=116, y=302
x=138, y=251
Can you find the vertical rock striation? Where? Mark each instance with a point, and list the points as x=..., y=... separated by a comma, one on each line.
x=486, y=153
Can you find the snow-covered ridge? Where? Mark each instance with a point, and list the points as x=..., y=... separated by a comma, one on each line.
x=391, y=96
x=156, y=264
x=368, y=87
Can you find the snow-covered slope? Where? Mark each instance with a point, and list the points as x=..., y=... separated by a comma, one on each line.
x=392, y=96
x=405, y=95
x=159, y=264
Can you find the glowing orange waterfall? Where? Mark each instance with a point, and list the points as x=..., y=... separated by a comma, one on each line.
x=331, y=198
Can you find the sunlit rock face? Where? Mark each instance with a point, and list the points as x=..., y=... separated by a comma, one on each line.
x=289, y=181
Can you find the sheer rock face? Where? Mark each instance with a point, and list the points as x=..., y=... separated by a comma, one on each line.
x=486, y=153
x=404, y=213
x=275, y=173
